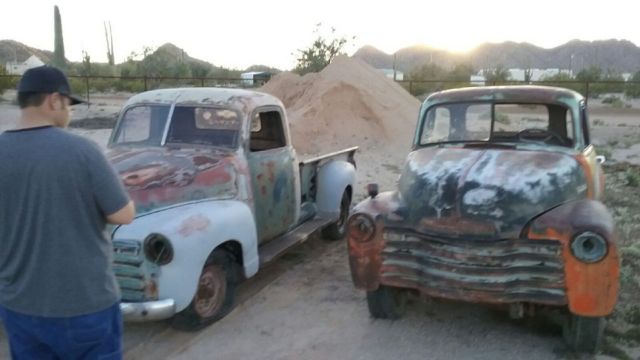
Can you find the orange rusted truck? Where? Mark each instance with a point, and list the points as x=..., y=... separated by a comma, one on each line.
x=499, y=202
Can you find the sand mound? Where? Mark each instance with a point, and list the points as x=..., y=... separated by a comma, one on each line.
x=348, y=103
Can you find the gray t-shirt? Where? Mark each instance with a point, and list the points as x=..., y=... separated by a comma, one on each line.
x=55, y=190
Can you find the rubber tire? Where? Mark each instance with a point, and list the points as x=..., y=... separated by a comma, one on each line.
x=387, y=302
x=337, y=230
x=584, y=334
x=189, y=319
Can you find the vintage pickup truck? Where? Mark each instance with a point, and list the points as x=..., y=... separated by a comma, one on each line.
x=218, y=193
x=498, y=203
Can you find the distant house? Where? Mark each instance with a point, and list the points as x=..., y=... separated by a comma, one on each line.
x=255, y=78
x=399, y=76
x=18, y=68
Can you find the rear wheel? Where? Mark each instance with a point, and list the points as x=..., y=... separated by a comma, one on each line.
x=336, y=230
x=215, y=294
x=387, y=302
x=584, y=334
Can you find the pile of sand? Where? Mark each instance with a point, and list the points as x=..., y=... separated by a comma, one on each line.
x=349, y=103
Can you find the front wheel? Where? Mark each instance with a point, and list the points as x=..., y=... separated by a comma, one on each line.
x=336, y=230
x=584, y=334
x=387, y=302
x=215, y=294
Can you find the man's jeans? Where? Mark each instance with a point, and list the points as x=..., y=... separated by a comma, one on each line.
x=93, y=336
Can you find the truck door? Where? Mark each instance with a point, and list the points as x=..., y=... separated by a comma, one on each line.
x=273, y=174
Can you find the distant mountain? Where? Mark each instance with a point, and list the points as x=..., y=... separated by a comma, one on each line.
x=167, y=55
x=618, y=55
x=11, y=50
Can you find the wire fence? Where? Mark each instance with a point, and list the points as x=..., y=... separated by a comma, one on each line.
x=89, y=85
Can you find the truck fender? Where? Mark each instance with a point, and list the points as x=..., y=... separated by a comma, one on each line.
x=195, y=230
x=333, y=178
x=592, y=288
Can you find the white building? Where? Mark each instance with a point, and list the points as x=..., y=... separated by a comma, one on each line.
x=519, y=75
x=18, y=68
x=252, y=78
x=389, y=73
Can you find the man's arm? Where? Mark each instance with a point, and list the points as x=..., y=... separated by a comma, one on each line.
x=123, y=216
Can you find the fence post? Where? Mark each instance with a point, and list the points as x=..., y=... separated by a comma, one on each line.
x=86, y=84
x=145, y=82
x=201, y=82
x=586, y=96
x=410, y=86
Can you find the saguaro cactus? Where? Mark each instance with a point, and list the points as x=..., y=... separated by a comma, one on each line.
x=58, y=50
x=109, y=36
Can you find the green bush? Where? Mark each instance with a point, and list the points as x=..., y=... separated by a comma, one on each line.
x=7, y=81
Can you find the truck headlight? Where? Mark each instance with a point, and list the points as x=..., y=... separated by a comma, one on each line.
x=158, y=249
x=361, y=227
x=589, y=247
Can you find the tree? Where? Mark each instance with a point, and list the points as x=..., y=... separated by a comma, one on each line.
x=498, y=75
x=321, y=52
x=592, y=73
x=564, y=80
x=461, y=72
x=425, y=78
x=633, y=86
x=6, y=81
x=58, y=49
x=86, y=63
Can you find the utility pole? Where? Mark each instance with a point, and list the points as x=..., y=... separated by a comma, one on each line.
x=394, y=66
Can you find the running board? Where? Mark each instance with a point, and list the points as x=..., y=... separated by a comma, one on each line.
x=279, y=245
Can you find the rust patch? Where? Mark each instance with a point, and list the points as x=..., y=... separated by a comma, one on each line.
x=193, y=224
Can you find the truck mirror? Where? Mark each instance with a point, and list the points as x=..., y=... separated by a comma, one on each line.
x=372, y=190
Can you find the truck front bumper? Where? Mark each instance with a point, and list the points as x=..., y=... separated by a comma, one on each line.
x=148, y=311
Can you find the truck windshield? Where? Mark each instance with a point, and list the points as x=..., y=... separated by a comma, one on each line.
x=146, y=124
x=498, y=122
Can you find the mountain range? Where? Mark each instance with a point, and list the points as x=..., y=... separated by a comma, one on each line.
x=617, y=55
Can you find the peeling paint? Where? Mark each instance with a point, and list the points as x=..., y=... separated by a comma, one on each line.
x=194, y=224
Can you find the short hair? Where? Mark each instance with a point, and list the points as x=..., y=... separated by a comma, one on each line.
x=27, y=99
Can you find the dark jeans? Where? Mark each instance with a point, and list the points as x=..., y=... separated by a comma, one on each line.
x=93, y=336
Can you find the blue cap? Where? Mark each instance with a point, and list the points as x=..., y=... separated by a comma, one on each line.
x=46, y=79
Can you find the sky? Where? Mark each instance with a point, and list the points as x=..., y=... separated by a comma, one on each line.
x=240, y=33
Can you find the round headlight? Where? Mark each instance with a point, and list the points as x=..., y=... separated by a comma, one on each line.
x=158, y=249
x=361, y=227
x=589, y=247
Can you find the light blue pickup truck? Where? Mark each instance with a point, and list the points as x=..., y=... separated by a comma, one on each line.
x=218, y=192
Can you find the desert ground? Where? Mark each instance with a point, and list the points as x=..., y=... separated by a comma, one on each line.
x=304, y=306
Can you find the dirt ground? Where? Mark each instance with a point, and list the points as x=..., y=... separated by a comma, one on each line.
x=304, y=306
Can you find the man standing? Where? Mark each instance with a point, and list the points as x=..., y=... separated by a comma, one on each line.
x=58, y=295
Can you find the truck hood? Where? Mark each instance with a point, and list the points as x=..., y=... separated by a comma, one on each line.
x=489, y=192
x=160, y=177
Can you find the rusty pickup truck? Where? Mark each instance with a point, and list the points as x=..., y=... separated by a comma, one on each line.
x=218, y=193
x=499, y=202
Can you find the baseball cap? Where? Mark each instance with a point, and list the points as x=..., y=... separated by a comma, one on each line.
x=47, y=79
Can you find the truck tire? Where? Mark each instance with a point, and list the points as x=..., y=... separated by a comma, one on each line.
x=336, y=230
x=215, y=294
x=387, y=302
x=584, y=334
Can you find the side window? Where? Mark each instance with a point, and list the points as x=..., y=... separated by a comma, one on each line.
x=267, y=131
x=142, y=124
x=135, y=125
x=437, y=126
